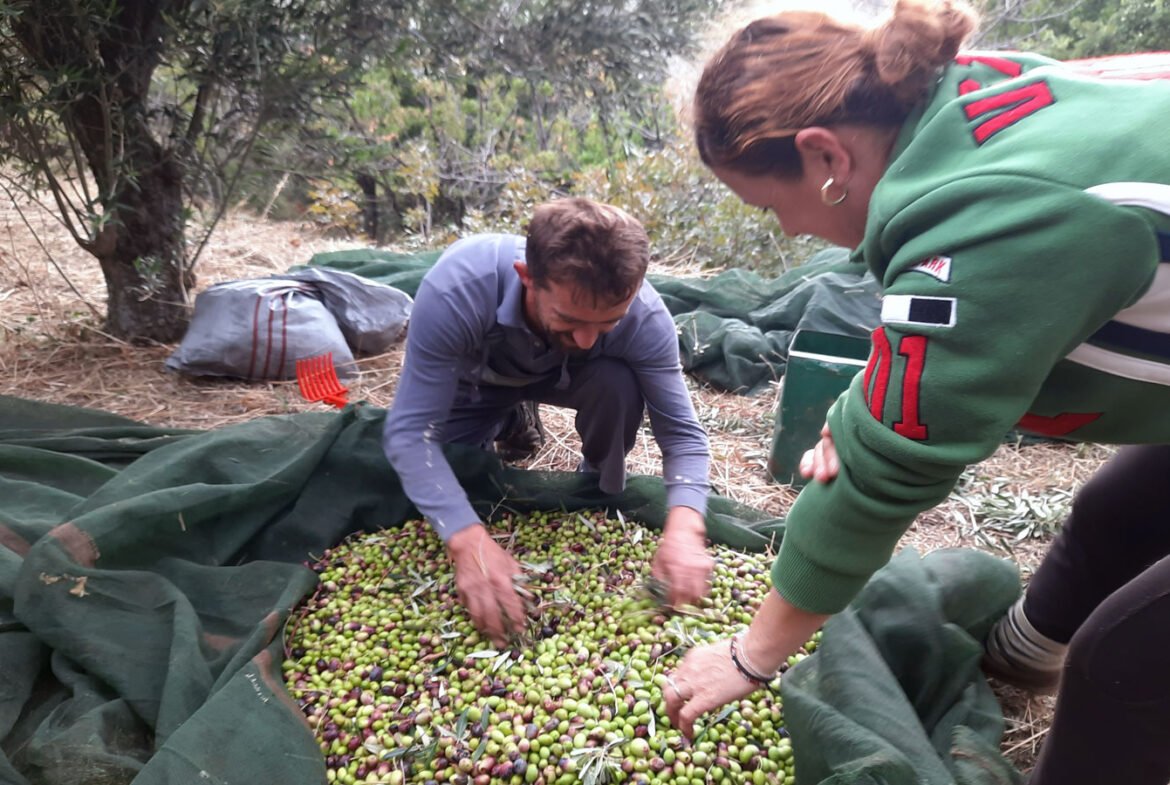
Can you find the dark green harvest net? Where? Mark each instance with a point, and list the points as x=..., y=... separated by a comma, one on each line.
x=148, y=577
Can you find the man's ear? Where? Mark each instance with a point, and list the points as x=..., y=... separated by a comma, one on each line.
x=823, y=154
x=521, y=269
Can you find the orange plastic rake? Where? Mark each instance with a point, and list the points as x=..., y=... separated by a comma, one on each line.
x=318, y=381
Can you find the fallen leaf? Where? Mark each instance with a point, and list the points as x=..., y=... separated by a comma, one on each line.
x=78, y=589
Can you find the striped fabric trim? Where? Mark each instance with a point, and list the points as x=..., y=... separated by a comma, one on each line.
x=1135, y=344
x=1120, y=364
x=1120, y=336
x=1140, y=65
x=1152, y=196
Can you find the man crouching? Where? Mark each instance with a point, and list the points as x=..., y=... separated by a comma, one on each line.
x=563, y=316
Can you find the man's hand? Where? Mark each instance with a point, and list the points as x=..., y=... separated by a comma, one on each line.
x=483, y=576
x=682, y=561
x=821, y=463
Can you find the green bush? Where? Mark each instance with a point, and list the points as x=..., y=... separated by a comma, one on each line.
x=454, y=158
x=693, y=220
x=692, y=217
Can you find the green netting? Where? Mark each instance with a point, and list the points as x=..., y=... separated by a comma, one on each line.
x=734, y=328
x=145, y=580
x=894, y=693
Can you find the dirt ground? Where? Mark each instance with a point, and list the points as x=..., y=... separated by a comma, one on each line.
x=52, y=349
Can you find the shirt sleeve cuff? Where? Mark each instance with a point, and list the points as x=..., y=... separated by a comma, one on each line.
x=810, y=586
x=452, y=519
x=687, y=496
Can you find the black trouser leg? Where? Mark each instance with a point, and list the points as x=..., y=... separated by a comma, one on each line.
x=1112, y=720
x=477, y=419
x=1119, y=526
x=610, y=408
x=609, y=405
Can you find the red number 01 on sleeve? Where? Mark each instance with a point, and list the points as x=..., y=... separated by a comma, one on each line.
x=877, y=381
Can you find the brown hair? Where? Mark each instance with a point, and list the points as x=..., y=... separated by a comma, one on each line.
x=596, y=249
x=794, y=70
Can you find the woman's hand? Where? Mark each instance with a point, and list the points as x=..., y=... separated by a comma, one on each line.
x=706, y=680
x=820, y=463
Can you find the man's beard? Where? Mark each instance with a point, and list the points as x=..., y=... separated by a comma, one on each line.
x=563, y=342
x=567, y=346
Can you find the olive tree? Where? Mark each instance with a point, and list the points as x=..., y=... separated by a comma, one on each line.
x=472, y=93
x=1068, y=29
x=134, y=117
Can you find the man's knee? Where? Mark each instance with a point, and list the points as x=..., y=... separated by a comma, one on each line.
x=611, y=382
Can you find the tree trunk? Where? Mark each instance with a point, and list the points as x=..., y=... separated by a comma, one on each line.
x=140, y=243
x=141, y=250
x=369, y=187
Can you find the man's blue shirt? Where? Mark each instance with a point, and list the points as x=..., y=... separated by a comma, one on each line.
x=468, y=330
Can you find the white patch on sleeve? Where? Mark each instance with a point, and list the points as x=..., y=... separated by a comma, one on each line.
x=922, y=311
x=936, y=267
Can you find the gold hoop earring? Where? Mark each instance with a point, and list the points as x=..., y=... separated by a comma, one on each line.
x=825, y=194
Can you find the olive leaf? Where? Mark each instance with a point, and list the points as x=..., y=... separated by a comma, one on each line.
x=397, y=752
x=505, y=658
x=483, y=654
x=599, y=764
x=658, y=589
x=423, y=588
x=461, y=724
x=718, y=718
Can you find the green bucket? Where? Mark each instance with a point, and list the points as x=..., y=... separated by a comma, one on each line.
x=820, y=367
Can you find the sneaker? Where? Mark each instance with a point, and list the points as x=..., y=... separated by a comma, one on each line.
x=522, y=434
x=1016, y=654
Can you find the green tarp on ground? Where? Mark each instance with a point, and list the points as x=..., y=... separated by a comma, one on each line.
x=146, y=575
x=734, y=327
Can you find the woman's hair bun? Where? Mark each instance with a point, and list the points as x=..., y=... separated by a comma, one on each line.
x=916, y=39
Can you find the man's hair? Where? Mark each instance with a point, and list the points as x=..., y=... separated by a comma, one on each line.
x=595, y=249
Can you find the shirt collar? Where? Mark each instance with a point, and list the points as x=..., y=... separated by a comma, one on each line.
x=510, y=311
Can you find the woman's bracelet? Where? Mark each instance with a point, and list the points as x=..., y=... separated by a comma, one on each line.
x=739, y=659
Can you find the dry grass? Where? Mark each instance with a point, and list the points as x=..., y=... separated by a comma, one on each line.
x=1027, y=718
x=52, y=349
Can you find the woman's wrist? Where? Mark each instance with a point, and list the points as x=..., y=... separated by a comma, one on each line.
x=778, y=630
x=744, y=664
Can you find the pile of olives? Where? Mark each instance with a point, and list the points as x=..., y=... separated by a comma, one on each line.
x=400, y=688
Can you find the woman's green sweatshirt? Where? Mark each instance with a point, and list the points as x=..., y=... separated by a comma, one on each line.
x=1021, y=232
